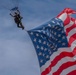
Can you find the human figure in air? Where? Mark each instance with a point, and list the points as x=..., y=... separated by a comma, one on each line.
x=17, y=19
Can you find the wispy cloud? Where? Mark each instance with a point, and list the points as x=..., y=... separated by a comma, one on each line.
x=17, y=53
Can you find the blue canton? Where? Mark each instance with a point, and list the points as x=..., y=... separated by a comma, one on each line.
x=47, y=39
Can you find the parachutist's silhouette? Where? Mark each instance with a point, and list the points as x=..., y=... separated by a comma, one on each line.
x=17, y=19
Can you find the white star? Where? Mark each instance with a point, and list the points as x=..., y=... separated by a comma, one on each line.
x=56, y=39
x=47, y=33
x=47, y=44
x=54, y=49
x=39, y=41
x=41, y=36
x=62, y=32
x=31, y=33
x=59, y=41
x=41, y=61
x=37, y=47
x=43, y=55
x=43, y=28
x=52, y=46
x=39, y=30
x=45, y=49
x=63, y=37
x=59, y=35
x=56, y=18
x=34, y=39
x=62, y=24
x=59, y=29
x=53, y=21
x=44, y=42
x=63, y=44
x=54, y=33
x=37, y=34
x=49, y=25
x=44, y=32
x=50, y=52
x=40, y=53
x=58, y=23
x=47, y=56
x=50, y=35
x=53, y=26
x=56, y=27
x=51, y=31
x=42, y=48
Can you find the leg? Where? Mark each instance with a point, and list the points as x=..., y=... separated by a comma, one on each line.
x=18, y=25
x=21, y=25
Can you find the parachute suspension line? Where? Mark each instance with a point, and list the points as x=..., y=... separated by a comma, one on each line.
x=14, y=9
x=5, y=7
x=15, y=5
x=25, y=29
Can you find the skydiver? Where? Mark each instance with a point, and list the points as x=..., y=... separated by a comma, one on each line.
x=17, y=19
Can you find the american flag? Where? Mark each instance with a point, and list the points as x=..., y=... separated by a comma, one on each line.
x=69, y=27
x=53, y=49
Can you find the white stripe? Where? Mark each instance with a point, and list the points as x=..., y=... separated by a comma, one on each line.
x=73, y=31
x=75, y=57
x=73, y=45
x=63, y=16
x=68, y=70
x=60, y=50
x=69, y=25
x=62, y=61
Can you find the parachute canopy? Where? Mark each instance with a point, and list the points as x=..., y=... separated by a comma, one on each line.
x=15, y=8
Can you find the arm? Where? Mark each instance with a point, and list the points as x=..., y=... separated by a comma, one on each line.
x=11, y=15
x=19, y=14
x=18, y=11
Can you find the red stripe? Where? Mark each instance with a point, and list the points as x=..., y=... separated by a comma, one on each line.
x=54, y=62
x=72, y=38
x=67, y=20
x=64, y=66
x=60, y=14
x=74, y=51
x=70, y=28
x=72, y=73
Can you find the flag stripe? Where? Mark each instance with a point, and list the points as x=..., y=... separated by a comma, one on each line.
x=74, y=50
x=71, y=32
x=73, y=45
x=62, y=61
x=56, y=48
x=69, y=25
x=55, y=54
x=64, y=15
x=72, y=38
x=68, y=70
x=73, y=72
x=64, y=66
x=55, y=60
x=70, y=28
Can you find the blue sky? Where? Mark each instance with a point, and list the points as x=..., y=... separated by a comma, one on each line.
x=17, y=54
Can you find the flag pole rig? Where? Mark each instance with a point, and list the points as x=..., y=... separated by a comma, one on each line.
x=25, y=30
